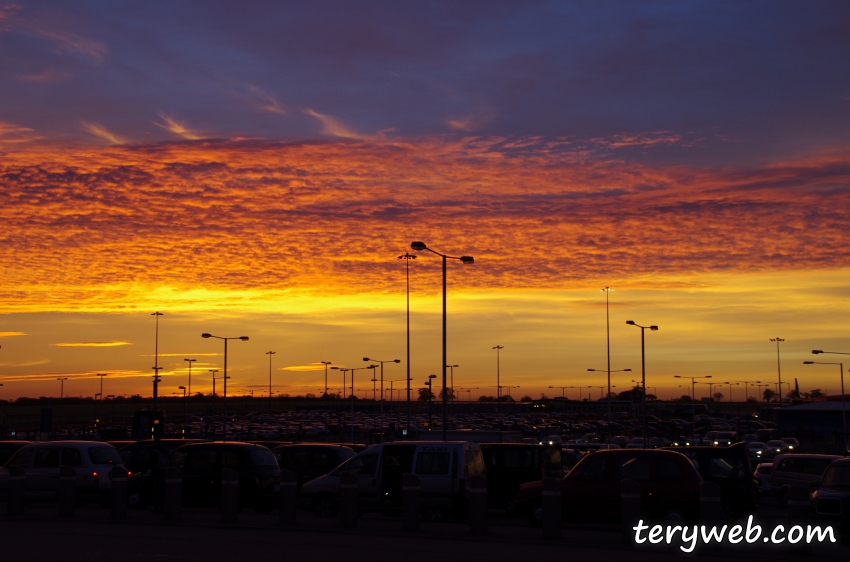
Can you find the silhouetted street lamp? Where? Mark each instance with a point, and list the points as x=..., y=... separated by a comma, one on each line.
x=183, y=388
x=190, y=361
x=407, y=257
x=730, y=390
x=778, y=370
x=213, y=371
x=469, y=392
x=343, y=371
x=498, y=349
x=609, y=368
x=608, y=290
x=563, y=389
x=420, y=246
x=643, y=375
x=156, y=366
x=841, y=371
x=61, y=387
x=326, y=364
x=430, y=395
x=452, y=385
x=270, y=353
x=747, y=384
x=224, y=400
x=382, y=377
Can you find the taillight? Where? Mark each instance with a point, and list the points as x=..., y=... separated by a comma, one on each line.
x=96, y=481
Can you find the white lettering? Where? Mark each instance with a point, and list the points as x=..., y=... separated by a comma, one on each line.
x=735, y=534
x=693, y=539
x=713, y=533
x=640, y=527
x=821, y=533
x=750, y=529
x=791, y=538
x=672, y=531
x=656, y=534
x=777, y=529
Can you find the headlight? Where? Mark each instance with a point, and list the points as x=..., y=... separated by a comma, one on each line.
x=790, y=446
x=715, y=442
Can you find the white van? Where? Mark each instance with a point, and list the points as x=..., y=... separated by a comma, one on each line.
x=443, y=468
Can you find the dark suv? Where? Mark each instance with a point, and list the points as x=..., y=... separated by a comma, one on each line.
x=832, y=499
x=509, y=465
x=135, y=454
x=201, y=464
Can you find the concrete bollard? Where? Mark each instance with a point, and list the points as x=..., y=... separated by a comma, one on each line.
x=799, y=513
x=477, y=505
x=288, y=497
x=411, y=503
x=347, y=500
x=229, y=506
x=67, y=491
x=551, y=508
x=710, y=508
x=118, y=492
x=629, y=510
x=173, y=493
x=17, y=491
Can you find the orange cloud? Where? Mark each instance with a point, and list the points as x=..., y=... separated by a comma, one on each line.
x=333, y=126
x=102, y=133
x=11, y=334
x=173, y=126
x=233, y=222
x=93, y=344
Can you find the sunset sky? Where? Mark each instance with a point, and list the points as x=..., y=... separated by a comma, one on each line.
x=256, y=168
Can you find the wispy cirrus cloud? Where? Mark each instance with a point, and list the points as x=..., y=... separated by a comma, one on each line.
x=173, y=126
x=264, y=101
x=12, y=334
x=102, y=132
x=333, y=126
x=66, y=42
x=93, y=344
x=311, y=367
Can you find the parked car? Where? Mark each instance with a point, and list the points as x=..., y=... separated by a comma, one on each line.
x=832, y=498
x=803, y=470
x=135, y=455
x=778, y=447
x=725, y=438
x=728, y=467
x=311, y=460
x=201, y=464
x=9, y=448
x=591, y=491
x=443, y=467
x=510, y=464
x=793, y=444
x=762, y=475
x=570, y=458
x=92, y=461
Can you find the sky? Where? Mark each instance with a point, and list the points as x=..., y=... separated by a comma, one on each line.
x=255, y=169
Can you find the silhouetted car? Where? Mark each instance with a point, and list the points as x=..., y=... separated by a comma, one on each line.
x=510, y=464
x=135, y=455
x=591, y=491
x=311, y=460
x=201, y=464
x=728, y=467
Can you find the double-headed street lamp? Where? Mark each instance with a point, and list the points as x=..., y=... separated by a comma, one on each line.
x=224, y=402
x=382, y=375
x=270, y=353
x=563, y=389
x=643, y=374
x=343, y=371
x=730, y=389
x=326, y=364
x=61, y=387
x=420, y=246
x=747, y=384
x=498, y=348
x=841, y=367
x=407, y=257
x=452, y=384
x=190, y=361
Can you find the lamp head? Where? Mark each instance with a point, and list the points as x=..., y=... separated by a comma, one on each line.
x=366, y=359
x=708, y=376
x=653, y=328
x=591, y=369
x=467, y=259
x=432, y=376
x=418, y=246
x=205, y=335
x=808, y=362
x=337, y=368
x=243, y=338
x=630, y=322
x=816, y=351
x=399, y=361
x=181, y=387
x=627, y=370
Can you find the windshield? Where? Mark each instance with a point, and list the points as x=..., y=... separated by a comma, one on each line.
x=836, y=476
x=104, y=455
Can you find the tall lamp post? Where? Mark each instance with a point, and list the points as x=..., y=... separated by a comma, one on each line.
x=213, y=371
x=326, y=364
x=452, y=384
x=382, y=376
x=430, y=395
x=224, y=399
x=643, y=375
x=407, y=257
x=730, y=389
x=563, y=390
x=99, y=375
x=183, y=388
x=746, y=388
x=270, y=353
x=420, y=246
x=61, y=387
x=189, y=389
x=610, y=371
x=778, y=370
x=469, y=392
x=608, y=290
x=498, y=348
x=156, y=366
x=343, y=371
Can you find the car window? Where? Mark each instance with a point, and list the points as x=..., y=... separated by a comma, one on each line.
x=489, y=459
x=230, y=459
x=260, y=456
x=815, y=466
x=178, y=459
x=790, y=465
x=836, y=476
x=22, y=457
x=432, y=463
x=479, y=463
x=669, y=470
x=46, y=458
x=294, y=460
x=518, y=458
x=635, y=469
x=322, y=460
x=200, y=460
x=364, y=465
x=71, y=457
x=594, y=469
x=104, y=455
x=126, y=455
